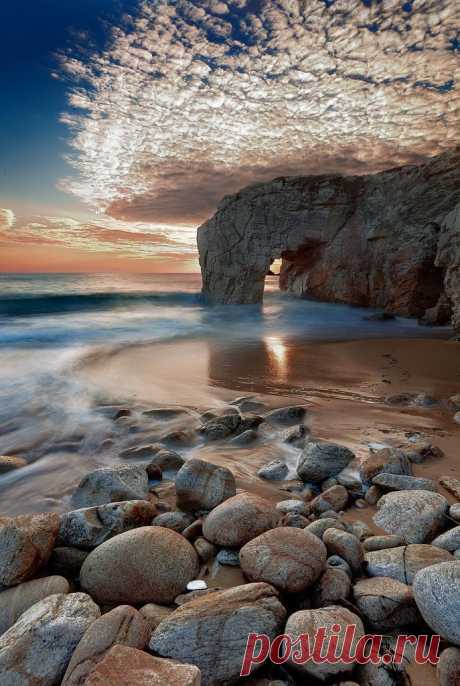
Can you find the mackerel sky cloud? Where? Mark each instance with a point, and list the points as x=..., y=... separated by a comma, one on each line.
x=194, y=99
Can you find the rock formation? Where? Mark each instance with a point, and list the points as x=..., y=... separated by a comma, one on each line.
x=389, y=240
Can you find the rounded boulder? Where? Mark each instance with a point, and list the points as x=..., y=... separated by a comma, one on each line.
x=240, y=519
x=149, y=564
x=288, y=558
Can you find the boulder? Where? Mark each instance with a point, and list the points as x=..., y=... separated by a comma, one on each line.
x=400, y=482
x=15, y=601
x=288, y=558
x=309, y=622
x=112, y=485
x=450, y=540
x=245, y=438
x=26, y=543
x=454, y=402
x=402, y=563
x=385, y=603
x=239, y=519
x=154, y=614
x=294, y=519
x=334, y=498
x=386, y=460
x=293, y=506
x=319, y=526
x=37, y=649
x=333, y=588
x=228, y=557
x=177, y=521
x=347, y=546
x=416, y=516
x=382, y=542
x=167, y=460
x=437, y=594
x=221, y=427
x=273, y=471
x=138, y=452
x=201, y=485
x=67, y=560
x=9, y=463
x=122, y=626
x=320, y=461
x=212, y=631
x=124, y=666
x=205, y=549
x=89, y=527
x=287, y=415
x=448, y=669
x=150, y=564
x=454, y=512
x=452, y=485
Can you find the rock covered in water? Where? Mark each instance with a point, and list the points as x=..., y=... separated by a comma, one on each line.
x=121, y=626
x=220, y=427
x=273, y=471
x=26, y=543
x=240, y=519
x=124, y=666
x=201, y=485
x=15, y=601
x=320, y=461
x=385, y=603
x=89, y=527
x=437, y=594
x=288, y=558
x=112, y=485
x=287, y=415
x=212, y=631
x=309, y=622
x=149, y=564
x=416, y=516
x=166, y=460
x=37, y=649
x=402, y=563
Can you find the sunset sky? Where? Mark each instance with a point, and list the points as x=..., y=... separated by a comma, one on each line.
x=123, y=123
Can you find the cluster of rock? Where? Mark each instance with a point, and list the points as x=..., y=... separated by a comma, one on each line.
x=115, y=592
x=342, y=240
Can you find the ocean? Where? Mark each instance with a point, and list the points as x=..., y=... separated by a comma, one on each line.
x=51, y=324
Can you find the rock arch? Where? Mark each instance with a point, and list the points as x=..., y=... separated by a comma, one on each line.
x=367, y=240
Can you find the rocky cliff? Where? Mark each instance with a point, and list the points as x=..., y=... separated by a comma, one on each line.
x=385, y=240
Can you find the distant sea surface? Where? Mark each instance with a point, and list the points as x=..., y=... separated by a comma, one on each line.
x=49, y=324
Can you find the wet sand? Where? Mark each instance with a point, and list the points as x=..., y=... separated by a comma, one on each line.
x=343, y=385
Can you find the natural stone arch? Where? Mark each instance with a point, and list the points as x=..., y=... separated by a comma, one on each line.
x=367, y=240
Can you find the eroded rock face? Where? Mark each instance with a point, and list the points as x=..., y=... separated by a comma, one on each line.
x=340, y=238
x=448, y=258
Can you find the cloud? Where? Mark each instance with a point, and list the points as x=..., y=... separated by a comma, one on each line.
x=194, y=98
x=104, y=235
x=7, y=219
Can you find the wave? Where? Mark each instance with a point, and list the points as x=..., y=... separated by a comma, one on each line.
x=35, y=305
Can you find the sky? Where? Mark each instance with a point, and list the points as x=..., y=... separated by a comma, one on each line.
x=124, y=122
